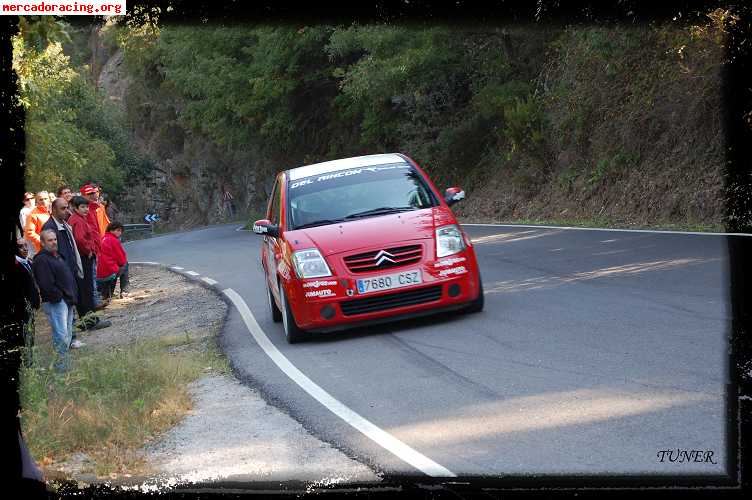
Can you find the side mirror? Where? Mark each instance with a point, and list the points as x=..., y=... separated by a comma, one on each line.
x=453, y=194
x=266, y=228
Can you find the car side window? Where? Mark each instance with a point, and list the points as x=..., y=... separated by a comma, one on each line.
x=274, y=209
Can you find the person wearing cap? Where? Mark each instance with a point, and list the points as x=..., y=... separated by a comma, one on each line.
x=35, y=220
x=98, y=220
x=97, y=213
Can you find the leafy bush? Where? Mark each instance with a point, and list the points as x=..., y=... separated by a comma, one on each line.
x=600, y=171
x=523, y=125
x=72, y=134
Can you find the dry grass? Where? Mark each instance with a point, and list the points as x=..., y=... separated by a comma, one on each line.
x=114, y=400
x=111, y=404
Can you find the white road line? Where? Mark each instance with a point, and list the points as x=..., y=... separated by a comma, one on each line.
x=606, y=229
x=240, y=228
x=209, y=281
x=145, y=262
x=376, y=434
x=192, y=273
x=177, y=268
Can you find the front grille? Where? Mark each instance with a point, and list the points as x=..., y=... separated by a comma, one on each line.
x=390, y=301
x=377, y=260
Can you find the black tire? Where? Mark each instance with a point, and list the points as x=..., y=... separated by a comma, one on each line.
x=293, y=334
x=477, y=304
x=276, y=314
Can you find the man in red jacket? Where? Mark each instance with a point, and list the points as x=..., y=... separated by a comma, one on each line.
x=97, y=213
x=87, y=242
x=98, y=220
x=112, y=262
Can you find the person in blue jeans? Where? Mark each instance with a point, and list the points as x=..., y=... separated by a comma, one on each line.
x=58, y=290
x=99, y=301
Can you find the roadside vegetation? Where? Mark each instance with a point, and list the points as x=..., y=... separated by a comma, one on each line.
x=579, y=122
x=124, y=390
x=534, y=122
x=72, y=133
x=112, y=404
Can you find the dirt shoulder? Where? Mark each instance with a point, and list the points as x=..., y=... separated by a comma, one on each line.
x=221, y=429
x=160, y=304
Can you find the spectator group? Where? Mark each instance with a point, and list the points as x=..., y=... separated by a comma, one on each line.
x=70, y=257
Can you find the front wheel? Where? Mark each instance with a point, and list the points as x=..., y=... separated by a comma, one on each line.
x=477, y=304
x=276, y=314
x=293, y=334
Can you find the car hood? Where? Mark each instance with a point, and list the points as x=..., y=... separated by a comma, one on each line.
x=382, y=230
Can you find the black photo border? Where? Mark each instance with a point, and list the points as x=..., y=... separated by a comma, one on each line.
x=737, y=119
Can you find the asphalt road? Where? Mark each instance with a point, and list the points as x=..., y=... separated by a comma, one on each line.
x=596, y=351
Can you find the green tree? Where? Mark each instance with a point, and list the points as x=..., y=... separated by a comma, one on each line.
x=72, y=134
x=39, y=31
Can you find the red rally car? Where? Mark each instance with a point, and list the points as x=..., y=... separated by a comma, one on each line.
x=363, y=240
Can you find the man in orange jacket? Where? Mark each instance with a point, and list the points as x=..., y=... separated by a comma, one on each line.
x=36, y=219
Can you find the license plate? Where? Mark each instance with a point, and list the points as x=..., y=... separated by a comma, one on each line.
x=389, y=281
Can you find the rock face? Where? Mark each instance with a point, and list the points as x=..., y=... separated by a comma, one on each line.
x=196, y=177
x=188, y=185
x=113, y=80
x=100, y=51
x=192, y=174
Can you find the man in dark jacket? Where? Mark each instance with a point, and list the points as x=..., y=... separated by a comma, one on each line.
x=68, y=250
x=66, y=243
x=58, y=290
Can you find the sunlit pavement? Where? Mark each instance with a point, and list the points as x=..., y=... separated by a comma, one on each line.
x=597, y=353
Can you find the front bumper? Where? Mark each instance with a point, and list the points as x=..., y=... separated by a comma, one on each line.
x=332, y=303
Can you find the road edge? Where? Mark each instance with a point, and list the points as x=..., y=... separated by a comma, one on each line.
x=377, y=435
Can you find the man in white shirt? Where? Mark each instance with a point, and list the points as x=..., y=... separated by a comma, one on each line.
x=28, y=202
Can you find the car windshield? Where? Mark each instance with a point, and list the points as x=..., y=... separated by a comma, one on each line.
x=356, y=193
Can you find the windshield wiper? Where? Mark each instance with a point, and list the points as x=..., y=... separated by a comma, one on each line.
x=321, y=222
x=365, y=213
x=379, y=211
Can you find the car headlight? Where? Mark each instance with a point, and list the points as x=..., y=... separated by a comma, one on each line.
x=310, y=264
x=449, y=240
